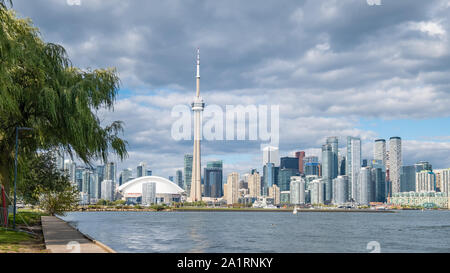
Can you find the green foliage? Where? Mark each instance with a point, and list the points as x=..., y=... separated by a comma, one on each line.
x=40, y=89
x=13, y=237
x=27, y=217
x=119, y=202
x=58, y=202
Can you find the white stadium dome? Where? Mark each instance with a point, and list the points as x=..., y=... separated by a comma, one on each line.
x=163, y=186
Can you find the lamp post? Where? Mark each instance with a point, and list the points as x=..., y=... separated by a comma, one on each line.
x=15, y=171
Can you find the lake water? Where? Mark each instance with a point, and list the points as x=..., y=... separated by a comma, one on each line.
x=266, y=232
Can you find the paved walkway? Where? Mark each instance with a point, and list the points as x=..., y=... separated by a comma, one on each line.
x=60, y=237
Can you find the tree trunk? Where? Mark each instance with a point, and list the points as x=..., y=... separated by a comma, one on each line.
x=5, y=176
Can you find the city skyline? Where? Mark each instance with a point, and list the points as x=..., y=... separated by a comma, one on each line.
x=297, y=69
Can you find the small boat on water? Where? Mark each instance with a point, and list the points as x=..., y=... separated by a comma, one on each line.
x=294, y=211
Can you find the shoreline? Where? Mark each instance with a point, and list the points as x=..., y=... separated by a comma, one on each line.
x=234, y=210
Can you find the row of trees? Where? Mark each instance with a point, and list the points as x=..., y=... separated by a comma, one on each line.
x=41, y=89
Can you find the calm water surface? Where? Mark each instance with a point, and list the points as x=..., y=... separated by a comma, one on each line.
x=179, y=232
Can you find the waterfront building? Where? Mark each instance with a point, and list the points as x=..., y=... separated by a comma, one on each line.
x=95, y=187
x=379, y=185
x=327, y=170
x=421, y=199
x=107, y=190
x=395, y=162
x=379, y=151
x=442, y=180
x=274, y=193
x=425, y=181
x=317, y=191
x=301, y=156
x=285, y=197
x=365, y=186
x=254, y=184
x=340, y=190
x=148, y=193
x=167, y=191
x=179, y=178
x=407, y=178
x=187, y=173
x=231, y=189
x=213, y=176
x=353, y=165
x=271, y=155
x=297, y=190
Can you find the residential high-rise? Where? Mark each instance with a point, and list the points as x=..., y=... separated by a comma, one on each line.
x=271, y=155
x=423, y=166
x=379, y=185
x=395, y=162
x=340, y=190
x=148, y=193
x=407, y=179
x=107, y=190
x=333, y=142
x=69, y=170
x=125, y=176
x=110, y=172
x=301, y=156
x=231, y=188
x=297, y=190
x=353, y=165
x=317, y=191
x=284, y=178
x=179, y=178
x=94, y=187
x=213, y=179
x=341, y=165
x=274, y=193
x=327, y=170
x=187, y=173
x=444, y=181
x=197, y=106
x=311, y=168
x=425, y=181
x=365, y=186
x=379, y=150
x=254, y=184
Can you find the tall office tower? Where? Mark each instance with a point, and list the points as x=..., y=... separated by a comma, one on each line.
x=317, y=191
x=271, y=155
x=395, y=162
x=341, y=165
x=364, y=163
x=379, y=150
x=187, y=173
x=100, y=170
x=425, y=181
x=311, y=159
x=254, y=184
x=301, y=156
x=270, y=177
x=284, y=178
x=340, y=190
x=110, y=172
x=423, y=166
x=213, y=179
x=148, y=193
x=171, y=178
x=197, y=106
x=353, y=165
x=125, y=176
x=365, y=186
x=85, y=181
x=79, y=178
x=231, y=188
x=289, y=163
x=311, y=168
x=69, y=170
x=179, y=178
x=379, y=187
x=107, y=190
x=333, y=141
x=95, y=187
x=149, y=172
x=407, y=179
x=327, y=170
x=141, y=170
x=297, y=190
x=274, y=193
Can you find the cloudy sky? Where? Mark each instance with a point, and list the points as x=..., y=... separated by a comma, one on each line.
x=336, y=68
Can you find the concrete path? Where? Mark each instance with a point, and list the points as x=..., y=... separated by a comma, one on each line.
x=60, y=237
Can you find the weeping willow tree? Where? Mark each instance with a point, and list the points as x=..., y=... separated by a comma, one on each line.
x=40, y=89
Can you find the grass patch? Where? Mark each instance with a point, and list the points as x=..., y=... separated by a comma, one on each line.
x=26, y=217
x=13, y=237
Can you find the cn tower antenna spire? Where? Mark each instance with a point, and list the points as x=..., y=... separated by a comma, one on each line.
x=198, y=72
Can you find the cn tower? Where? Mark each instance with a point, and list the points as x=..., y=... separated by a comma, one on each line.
x=197, y=106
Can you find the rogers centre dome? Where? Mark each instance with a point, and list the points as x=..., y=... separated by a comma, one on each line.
x=166, y=191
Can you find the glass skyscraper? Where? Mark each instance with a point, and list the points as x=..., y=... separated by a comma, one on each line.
x=353, y=165
x=213, y=179
x=188, y=159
